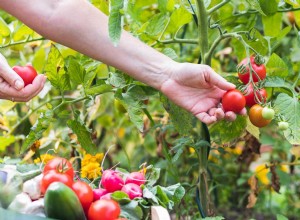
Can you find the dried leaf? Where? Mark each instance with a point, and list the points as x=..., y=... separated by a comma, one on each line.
x=253, y=183
x=275, y=182
x=252, y=198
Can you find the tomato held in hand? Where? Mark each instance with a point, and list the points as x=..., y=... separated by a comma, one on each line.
x=104, y=209
x=233, y=100
x=85, y=194
x=27, y=73
x=256, y=118
x=259, y=74
x=261, y=95
x=54, y=176
x=60, y=164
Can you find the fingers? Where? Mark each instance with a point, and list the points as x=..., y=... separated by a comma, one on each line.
x=217, y=80
x=10, y=76
x=25, y=94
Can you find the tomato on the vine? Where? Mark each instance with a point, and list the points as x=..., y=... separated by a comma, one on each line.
x=55, y=176
x=233, y=100
x=259, y=71
x=104, y=209
x=291, y=17
x=261, y=95
x=283, y=125
x=27, y=73
x=60, y=164
x=256, y=118
x=268, y=113
x=85, y=194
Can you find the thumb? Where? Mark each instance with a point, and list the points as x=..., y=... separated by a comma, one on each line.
x=218, y=81
x=11, y=77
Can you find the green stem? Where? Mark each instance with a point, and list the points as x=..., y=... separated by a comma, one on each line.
x=203, y=29
x=21, y=42
x=224, y=2
x=178, y=40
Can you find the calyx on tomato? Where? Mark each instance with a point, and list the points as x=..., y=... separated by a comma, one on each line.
x=252, y=98
x=258, y=71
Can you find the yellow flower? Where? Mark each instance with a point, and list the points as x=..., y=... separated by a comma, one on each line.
x=261, y=173
x=45, y=158
x=91, y=171
x=88, y=158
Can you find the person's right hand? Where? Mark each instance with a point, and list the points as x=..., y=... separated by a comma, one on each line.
x=12, y=86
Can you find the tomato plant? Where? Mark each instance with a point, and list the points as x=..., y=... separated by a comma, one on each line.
x=85, y=194
x=253, y=98
x=256, y=118
x=233, y=100
x=27, y=73
x=55, y=176
x=257, y=71
x=62, y=165
x=104, y=210
x=268, y=113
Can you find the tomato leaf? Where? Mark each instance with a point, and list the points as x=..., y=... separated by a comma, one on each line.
x=272, y=24
x=256, y=5
x=55, y=71
x=83, y=135
x=170, y=53
x=37, y=130
x=157, y=25
x=277, y=67
x=4, y=29
x=6, y=141
x=75, y=71
x=115, y=20
x=99, y=89
x=269, y=7
x=179, y=17
x=281, y=217
x=289, y=108
x=131, y=211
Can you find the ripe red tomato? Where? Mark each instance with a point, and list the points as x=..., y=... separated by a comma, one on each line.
x=233, y=100
x=60, y=164
x=55, y=176
x=261, y=94
x=27, y=73
x=104, y=209
x=85, y=194
x=256, y=118
x=260, y=71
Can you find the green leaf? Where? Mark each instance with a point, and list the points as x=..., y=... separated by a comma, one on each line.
x=22, y=33
x=121, y=197
x=115, y=20
x=37, y=130
x=100, y=89
x=272, y=24
x=269, y=7
x=83, y=135
x=276, y=66
x=170, y=53
x=152, y=176
x=131, y=211
x=225, y=131
x=6, y=141
x=179, y=147
x=179, y=17
x=181, y=119
x=149, y=195
x=175, y=192
x=157, y=24
x=289, y=108
x=117, y=80
x=4, y=29
x=214, y=218
x=281, y=217
x=256, y=5
x=55, y=71
x=75, y=71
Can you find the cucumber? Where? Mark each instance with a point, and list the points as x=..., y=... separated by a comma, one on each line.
x=62, y=203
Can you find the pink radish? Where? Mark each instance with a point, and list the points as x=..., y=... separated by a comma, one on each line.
x=132, y=190
x=136, y=177
x=98, y=193
x=112, y=181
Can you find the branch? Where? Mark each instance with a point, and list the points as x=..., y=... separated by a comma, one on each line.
x=178, y=40
x=21, y=42
x=216, y=7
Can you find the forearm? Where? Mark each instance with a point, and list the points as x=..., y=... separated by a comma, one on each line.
x=82, y=27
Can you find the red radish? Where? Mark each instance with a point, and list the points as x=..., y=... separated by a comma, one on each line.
x=132, y=190
x=106, y=196
x=112, y=181
x=136, y=177
x=98, y=193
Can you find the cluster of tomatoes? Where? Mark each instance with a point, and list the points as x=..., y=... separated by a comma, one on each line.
x=95, y=206
x=251, y=71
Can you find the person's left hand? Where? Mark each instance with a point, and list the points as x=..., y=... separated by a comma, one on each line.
x=12, y=86
x=198, y=89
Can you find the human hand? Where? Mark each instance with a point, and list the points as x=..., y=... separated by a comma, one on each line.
x=198, y=89
x=12, y=86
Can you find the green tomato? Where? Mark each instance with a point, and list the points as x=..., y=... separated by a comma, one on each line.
x=283, y=125
x=268, y=113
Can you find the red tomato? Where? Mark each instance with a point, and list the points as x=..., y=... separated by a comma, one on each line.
x=60, y=164
x=256, y=118
x=85, y=194
x=259, y=74
x=104, y=209
x=55, y=176
x=233, y=100
x=27, y=73
x=261, y=95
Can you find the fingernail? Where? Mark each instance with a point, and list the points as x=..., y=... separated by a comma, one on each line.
x=19, y=84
